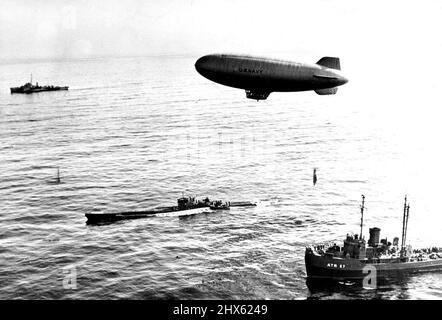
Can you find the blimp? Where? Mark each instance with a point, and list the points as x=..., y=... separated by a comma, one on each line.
x=260, y=76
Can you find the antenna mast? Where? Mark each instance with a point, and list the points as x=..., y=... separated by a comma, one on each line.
x=404, y=226
x=362, y=215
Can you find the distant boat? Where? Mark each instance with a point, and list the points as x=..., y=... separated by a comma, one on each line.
x=30, y=88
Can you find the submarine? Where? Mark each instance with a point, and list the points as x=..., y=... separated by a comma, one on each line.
x=183, y=204
x=260, y=76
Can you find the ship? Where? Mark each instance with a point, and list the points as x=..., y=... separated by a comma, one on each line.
x=357, y=259
x=183, y=203
x=31, y=88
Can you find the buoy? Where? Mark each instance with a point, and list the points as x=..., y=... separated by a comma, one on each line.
x=314, y=176
x=57, y=180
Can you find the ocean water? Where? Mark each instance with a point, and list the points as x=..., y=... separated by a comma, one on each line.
x=135, y=133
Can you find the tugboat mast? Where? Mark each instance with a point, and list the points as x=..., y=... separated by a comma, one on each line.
x=404, y=226
x=362, y=215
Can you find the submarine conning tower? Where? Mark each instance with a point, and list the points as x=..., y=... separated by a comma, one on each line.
x=375, y=235
x=183, y=203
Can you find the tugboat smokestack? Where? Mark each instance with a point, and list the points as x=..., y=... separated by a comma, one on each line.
x=374, y=236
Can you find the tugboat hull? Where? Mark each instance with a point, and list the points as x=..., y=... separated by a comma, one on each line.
x=354, y=269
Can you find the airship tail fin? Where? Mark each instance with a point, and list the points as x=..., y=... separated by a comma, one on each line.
x=322, y=92
x=330, y=62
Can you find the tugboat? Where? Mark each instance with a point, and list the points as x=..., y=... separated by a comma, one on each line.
x=30, y=88
x=356, y=258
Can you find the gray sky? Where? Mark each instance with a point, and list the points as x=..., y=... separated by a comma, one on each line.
x=64, y=29
x=390, y=46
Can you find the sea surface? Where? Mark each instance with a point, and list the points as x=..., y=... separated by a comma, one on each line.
x=138, y=132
